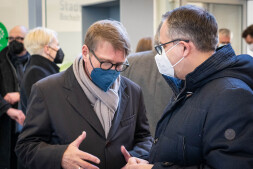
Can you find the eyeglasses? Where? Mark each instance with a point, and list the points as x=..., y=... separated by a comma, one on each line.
x=119, y=67
x=10, y=38
x=158, y=48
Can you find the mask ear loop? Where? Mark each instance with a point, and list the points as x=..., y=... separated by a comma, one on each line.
x=91, y=62
x=49, y=53
x=171, y=47
x=179, y=60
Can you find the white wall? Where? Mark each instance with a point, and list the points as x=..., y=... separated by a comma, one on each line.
x=137, y=16
x=65, y=17
x=230, y=16
x=249, y=19
x=14, y=12
x=160, y=8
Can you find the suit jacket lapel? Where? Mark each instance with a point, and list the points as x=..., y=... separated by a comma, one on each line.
x=80, y=102
x=120, y=111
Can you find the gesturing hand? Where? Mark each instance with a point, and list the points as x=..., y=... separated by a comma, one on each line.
x=137, y=163
x=125, y=153
x=73, y=158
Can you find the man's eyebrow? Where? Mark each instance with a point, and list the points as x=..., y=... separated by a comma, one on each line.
x=111, y=61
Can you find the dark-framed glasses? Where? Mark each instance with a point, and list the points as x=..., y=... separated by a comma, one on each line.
x=119, y=67
x=10, y=38
x=159, y=49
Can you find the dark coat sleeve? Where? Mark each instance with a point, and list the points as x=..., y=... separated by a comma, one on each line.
x=32, y=145
x=34, y=75
x=227, y=133
x=4, y=106
x=143, y=139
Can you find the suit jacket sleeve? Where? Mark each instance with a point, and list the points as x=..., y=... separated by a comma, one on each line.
x=227, y=133
x=33, y=145
x=143, y=139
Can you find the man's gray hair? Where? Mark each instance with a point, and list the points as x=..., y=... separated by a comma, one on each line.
x=195, y=24
x=226, y=32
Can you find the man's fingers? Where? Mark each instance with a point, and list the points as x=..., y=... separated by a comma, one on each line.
x=86, y=165
x=20, y=117
x=79, y=140
x=12, y=97
x=89, y=157
x=125, y=153
x=141, y=161
x=132, y=160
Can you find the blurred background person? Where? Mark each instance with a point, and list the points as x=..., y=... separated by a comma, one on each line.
x=225, y=36
x=143, y=71
x=13, y=60
x=248, y=36
x=144, y=44
x=43, y=45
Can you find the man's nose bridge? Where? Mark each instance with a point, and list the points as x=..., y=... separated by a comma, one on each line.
x=114, y=66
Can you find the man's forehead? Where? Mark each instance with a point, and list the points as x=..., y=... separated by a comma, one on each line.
x=17, y=31
x=224, y=37
x=163, y=33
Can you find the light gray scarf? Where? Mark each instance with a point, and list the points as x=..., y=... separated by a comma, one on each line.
x=104, y=104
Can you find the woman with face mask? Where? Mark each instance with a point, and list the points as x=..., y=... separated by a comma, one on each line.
x=43, y=45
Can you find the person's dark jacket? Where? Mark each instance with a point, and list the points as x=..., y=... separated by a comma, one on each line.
x=38, y=68
x=209, y=124
x=8, y=83
x=59, y=111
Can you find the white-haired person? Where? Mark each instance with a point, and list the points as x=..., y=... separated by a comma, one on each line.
x=43, y=45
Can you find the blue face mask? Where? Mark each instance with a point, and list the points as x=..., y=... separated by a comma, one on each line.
x=104, y=78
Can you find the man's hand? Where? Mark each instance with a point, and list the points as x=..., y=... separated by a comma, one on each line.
x=73, y=158
x=137, y=163
x=16, y=115
x=125, y=153
x=133, y=162
x=12, y=98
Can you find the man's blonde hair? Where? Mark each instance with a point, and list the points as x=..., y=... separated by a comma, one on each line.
x=37, y=38
x=110, y=31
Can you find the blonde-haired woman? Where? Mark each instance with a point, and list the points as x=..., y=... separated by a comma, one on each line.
x=43, y=45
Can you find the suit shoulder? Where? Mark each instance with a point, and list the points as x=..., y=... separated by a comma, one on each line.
x=129, y=83
x=141, y=56
x=51, y=80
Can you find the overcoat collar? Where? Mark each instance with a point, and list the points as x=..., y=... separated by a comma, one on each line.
x=79, y=101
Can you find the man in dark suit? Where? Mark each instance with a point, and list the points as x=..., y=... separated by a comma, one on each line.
x=144, y=72
x=90, y=96
x=13, y=61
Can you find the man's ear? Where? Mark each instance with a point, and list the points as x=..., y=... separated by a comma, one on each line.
x=85, y=52
x=187, y=48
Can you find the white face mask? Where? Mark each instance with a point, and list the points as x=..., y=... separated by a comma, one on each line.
x=222, y=44
x=163, y=63
x=251, y=47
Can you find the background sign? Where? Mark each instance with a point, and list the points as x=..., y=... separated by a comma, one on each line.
x=3, y=36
